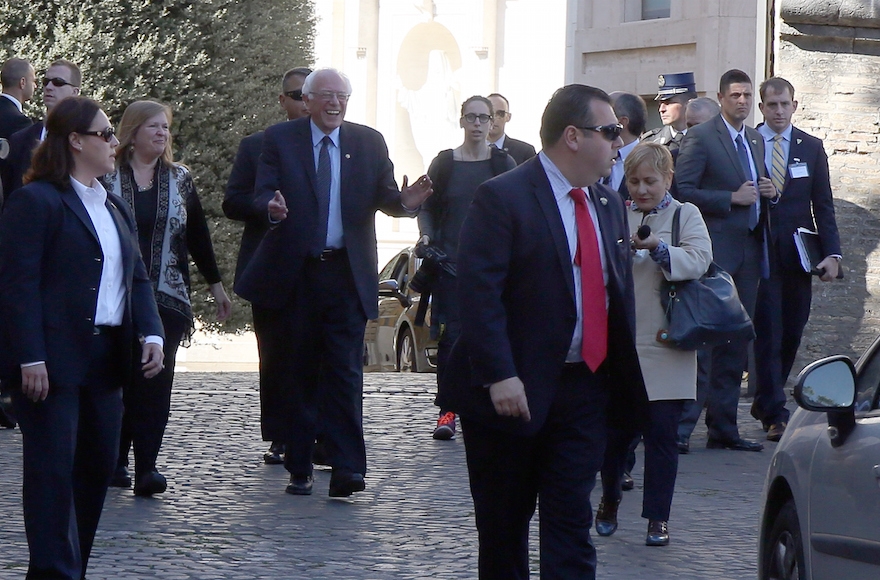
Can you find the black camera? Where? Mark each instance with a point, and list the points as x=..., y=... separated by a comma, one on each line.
x=434, y=263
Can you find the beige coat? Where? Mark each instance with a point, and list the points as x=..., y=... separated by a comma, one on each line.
x=669, y=373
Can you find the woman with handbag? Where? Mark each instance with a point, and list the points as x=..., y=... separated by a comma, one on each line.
x=171, y=228
x=670, y=374
x=456, y=174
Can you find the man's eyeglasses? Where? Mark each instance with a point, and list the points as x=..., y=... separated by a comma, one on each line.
x=610, y=132
x=471, y=117
x=328, y=96
x=56, y=82
x=500, y=114
x=296, y=95
x=107, y=134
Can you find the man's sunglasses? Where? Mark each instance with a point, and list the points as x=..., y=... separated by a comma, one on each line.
x=296, y=95
x=107, y=134
x=56, y=82
x=610, y=132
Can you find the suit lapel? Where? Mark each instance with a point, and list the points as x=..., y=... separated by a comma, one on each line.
x=547, y=202
x=727, y=144
x=346, y=149
x=756, y=146
x=304, y=151
x=75, y=204
x=796, y=152
x=609, y=230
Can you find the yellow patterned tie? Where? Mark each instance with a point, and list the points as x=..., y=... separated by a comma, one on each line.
x=777, y=174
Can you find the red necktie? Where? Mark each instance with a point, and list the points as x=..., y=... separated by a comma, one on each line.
x=594, y=345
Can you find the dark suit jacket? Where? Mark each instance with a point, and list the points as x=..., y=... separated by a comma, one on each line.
x=519, y=150
x=806, y=202
x=50, y=269
x=21, y=147
x=239, y=201
x=367, y=184
x=707, y=172
x=11, y=119
x=516, y=286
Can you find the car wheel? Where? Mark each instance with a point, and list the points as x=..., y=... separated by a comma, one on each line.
x=406, y=352
x=784, y=549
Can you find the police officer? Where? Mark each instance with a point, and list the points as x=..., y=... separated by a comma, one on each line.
x=674, y=93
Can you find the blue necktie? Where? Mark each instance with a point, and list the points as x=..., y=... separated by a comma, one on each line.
x=323, y=193
x=747, y=169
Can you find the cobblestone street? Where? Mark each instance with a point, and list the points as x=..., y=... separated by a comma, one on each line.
x=226, y=516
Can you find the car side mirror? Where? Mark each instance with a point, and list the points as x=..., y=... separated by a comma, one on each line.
x=829, y=386
x=391, y=289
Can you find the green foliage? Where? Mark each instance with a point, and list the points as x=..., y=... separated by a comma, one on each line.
x=217, y=63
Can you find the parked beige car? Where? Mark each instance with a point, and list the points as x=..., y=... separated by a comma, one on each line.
x=393, y=341
x=821, y=498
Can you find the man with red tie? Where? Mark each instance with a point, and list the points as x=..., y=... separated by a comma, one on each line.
x=547, y=352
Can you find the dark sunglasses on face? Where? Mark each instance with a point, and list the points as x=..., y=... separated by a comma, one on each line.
x=471, y=117
x=56, y=82
x=107, y=134
x=296, y=95
x=610, y=132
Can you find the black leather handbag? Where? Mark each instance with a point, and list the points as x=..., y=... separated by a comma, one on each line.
x=705, y=312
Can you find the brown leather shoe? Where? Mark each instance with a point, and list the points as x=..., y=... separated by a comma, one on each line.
x=606, y=517
x=776, y=430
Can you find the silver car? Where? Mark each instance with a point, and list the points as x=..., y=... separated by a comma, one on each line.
x=822, y=494
x=394, y=341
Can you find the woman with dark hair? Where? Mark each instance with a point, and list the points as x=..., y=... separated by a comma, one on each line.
x=670, y=374
x=171, y=226
x=456, y=174
x=74, y=298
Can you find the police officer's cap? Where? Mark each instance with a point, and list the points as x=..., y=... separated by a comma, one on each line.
x=675, y=84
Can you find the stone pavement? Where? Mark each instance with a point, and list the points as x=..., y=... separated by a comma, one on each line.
x=226, y=516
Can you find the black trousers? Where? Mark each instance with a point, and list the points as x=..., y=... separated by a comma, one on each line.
x=661, y=459
x=148, y=401
x=781, y=314
x=510, y=473
x=323, y=368
x=445, y=321
x=71, y=440
x=272, y=337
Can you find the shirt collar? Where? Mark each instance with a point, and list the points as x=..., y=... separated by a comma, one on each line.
x=558, y=183
x=624, y=151
x=500, y=142
x=94, y=193
x=769, y=133
x=318, y=135
x=664, y=203
x=15, y=101
x=733, y=132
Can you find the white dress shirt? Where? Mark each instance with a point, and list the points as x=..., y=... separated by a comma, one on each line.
x=561, y=189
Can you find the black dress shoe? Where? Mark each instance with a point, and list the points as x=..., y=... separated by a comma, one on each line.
x=684, y=445
x=149, y=483
x=300, y=485
x=658, y=533
x=121, y=477
x=343, y=485
x=734, y=444
x=627, y=483
x=275, y=454
x=6, y=420
x=757, y=414
x=606, y=517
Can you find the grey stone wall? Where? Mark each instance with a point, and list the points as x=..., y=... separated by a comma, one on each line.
x=830, y=51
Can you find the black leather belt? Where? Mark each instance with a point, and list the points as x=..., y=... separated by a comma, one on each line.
x=104, y=329
x=331, y=254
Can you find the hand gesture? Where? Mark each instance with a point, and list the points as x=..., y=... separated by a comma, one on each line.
x=745, y=195
x=277, y=207
x=509, y=398
x=415, y=195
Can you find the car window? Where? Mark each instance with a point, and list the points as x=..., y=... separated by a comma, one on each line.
x=400, y=268
x=868, y=381
x=388, y=272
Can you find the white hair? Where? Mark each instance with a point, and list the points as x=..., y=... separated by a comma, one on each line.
x=307, y=84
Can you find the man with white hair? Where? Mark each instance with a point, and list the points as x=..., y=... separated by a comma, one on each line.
x=321, y=180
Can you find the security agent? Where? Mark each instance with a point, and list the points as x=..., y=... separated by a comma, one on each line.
x=674, y=93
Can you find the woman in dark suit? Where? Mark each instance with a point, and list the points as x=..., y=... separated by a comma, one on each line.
x=171, y=227
x=74, y=297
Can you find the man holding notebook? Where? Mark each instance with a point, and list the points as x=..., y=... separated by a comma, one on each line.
x=798, y=166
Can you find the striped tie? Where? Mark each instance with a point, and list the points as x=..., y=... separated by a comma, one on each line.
x=777, y=173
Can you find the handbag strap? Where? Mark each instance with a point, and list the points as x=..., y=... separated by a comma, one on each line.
x=676, y=218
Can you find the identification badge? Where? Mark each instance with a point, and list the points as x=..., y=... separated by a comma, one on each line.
x=798, y=170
